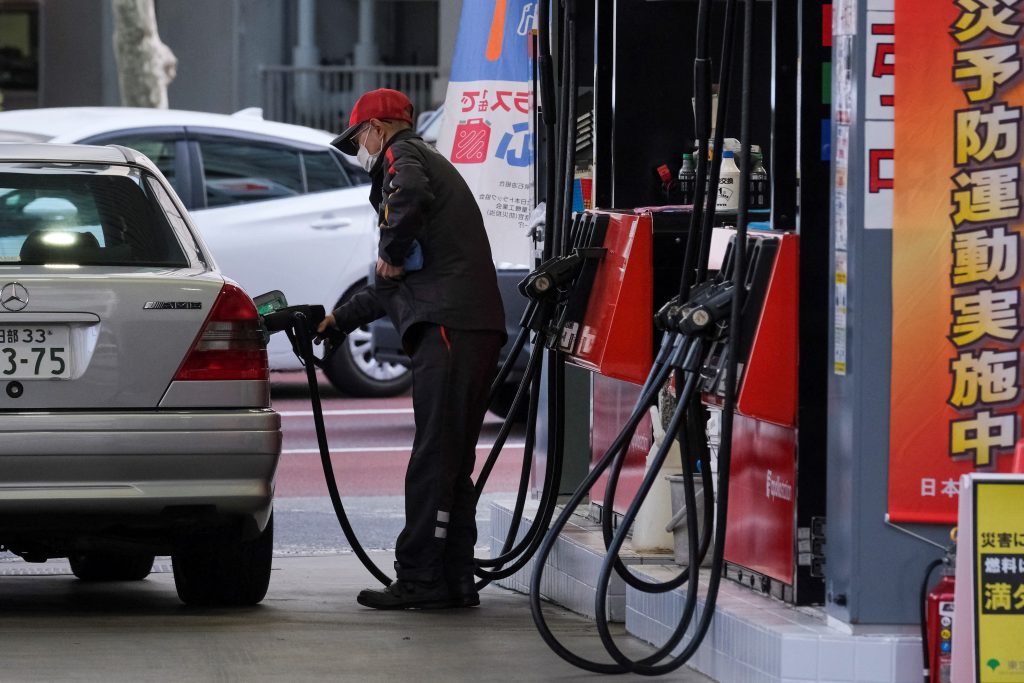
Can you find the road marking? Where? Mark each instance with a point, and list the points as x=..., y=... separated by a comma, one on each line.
x=381, y=449
x=353, y=411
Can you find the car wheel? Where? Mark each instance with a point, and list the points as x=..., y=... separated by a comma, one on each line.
x=101, y=566
x=352, y=369
x=224, y=570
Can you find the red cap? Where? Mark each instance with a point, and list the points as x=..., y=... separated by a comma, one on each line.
x=383, y=104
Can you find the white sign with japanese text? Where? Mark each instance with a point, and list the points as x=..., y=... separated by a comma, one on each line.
x=486, y=132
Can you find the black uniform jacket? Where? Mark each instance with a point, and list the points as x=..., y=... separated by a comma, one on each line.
x=419, y=195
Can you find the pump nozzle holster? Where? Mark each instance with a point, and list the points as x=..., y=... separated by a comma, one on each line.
x=709, y=305
x=550, y=277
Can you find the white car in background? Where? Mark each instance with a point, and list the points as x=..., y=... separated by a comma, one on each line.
x=278, y=206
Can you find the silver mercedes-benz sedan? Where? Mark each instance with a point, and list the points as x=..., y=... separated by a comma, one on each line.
x=135, y=411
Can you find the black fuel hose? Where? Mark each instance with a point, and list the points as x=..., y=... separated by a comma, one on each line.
x=546, y=76
x=646, y=399
x=724, y=100
x=561, y=133
x=510, y=361
x=305, y=345
x=508, y=552
x=691, y=369
x=557, y=235
x=528, y=546
x=702, y=221
x=569, y=118
x=702, y=130
x=513, y=556
x=732, y=366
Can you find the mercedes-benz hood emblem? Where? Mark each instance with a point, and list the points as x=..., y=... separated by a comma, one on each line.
x=14, y=296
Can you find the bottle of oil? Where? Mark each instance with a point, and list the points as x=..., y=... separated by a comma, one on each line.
x=728, y=184
x=687, y=179
x=759, y=196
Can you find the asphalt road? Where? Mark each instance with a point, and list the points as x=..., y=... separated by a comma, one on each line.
x=370, y=442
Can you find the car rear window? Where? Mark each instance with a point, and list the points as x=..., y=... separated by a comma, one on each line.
x=84, y=215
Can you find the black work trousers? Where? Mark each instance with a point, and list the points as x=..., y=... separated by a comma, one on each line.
x=451, y=375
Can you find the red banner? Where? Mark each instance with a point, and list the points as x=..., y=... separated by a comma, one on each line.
x=956, y=327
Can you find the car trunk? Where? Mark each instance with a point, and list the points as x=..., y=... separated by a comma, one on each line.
x=97, y=338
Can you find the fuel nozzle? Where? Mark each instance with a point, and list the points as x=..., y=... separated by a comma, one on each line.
x=308, y=314
x=277, y=316
x=550, y=277
x=708, y=306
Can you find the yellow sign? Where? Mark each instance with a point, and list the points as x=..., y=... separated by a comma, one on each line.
x=999, y=581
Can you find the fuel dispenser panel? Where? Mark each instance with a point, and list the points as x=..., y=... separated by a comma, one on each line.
x=615, y=337
x=612, y=401
x=639, y=272
x=767, y=339
x=761, y=500
x=766, y=548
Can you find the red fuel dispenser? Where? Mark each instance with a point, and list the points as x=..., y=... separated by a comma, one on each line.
x=616, y=333
x=772, y=545
x=776, y=533
x=761, y=546
x=616, y=337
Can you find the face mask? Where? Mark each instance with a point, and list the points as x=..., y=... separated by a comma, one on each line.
x=367, y=160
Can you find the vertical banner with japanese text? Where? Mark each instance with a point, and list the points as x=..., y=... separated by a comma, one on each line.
x=486, y=132
x=956, y=321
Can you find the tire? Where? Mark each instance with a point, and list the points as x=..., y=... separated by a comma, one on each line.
x=352, y=369
x=224, y=570
x=107, y=566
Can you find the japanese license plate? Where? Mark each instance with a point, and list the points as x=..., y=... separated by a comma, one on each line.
x=35, y=352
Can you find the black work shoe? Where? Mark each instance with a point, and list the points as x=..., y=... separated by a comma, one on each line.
x=407, y=595
x=463, y=592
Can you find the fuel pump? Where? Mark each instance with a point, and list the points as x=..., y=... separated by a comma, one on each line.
x=703, y=313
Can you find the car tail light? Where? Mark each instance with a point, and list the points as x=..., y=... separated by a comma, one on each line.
x=230, y=346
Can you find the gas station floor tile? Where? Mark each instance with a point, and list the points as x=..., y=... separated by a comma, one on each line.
x=753, y=638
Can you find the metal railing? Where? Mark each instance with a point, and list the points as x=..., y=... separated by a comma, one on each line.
x=322, y=97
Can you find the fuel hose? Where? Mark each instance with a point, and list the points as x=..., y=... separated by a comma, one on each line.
x=301, y=335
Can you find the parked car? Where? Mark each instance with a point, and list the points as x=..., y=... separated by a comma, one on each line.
x=133, y=381
x=279, y=207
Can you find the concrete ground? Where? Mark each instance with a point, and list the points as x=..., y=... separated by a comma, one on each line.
x=56, y=628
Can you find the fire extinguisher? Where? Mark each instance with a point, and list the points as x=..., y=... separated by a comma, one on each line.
x=937, y=618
